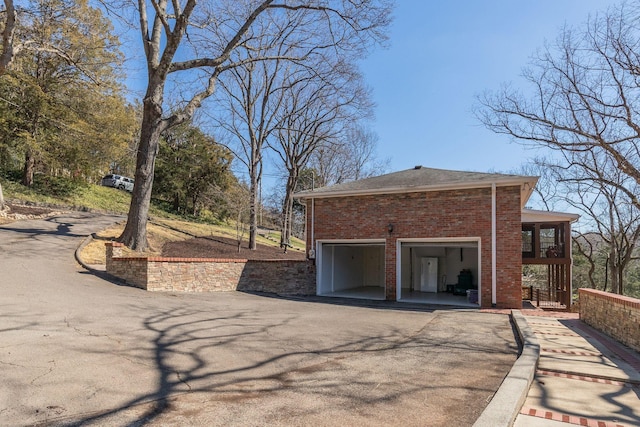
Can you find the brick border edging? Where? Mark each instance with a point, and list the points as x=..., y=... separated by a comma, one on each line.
x=510, y=397
x=567, y=419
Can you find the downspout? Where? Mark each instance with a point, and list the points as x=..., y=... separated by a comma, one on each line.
x=312, y=250
x=493, y=246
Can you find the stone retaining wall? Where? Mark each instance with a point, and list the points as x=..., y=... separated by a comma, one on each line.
x=615, y=315
x=285, y=277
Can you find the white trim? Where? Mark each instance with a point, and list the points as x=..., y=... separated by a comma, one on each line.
x=530, y=215
x=333, y=269
x=507, y=182
x=400, y=241
x=480, y=272
x=438, y=239
x=494, y=269
x=313, y=218
x=347, y=241
x=318, y=266
x=398, y=269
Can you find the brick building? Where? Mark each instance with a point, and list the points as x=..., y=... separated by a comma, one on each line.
x=427, y=235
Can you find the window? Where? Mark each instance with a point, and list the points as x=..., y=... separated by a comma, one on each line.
x=528, y=241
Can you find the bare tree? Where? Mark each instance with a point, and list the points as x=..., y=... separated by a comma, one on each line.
x=208, y=34
x=588, y=245
x=584, y=106
x=236, y=200
x=315, y=111
x=583, y=98
x=353, y=157
x=612, y=221
x=546, y=194
x=248, y=103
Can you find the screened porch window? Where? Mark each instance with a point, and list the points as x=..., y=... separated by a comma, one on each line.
x=527, y=242
x=543, y=240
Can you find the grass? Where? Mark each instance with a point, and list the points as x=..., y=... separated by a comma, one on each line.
x=164, y=226
x=81, y=197
x=163, y=230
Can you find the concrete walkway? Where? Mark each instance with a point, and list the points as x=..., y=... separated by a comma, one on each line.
x=583, y=377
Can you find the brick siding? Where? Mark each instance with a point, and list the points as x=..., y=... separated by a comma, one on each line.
x=437, y=214
x=615, y=315
x=285, y=277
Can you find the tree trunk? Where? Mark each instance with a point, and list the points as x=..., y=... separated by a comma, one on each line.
x=176, y=202
x=621, y=281
x=613, y=273
x=253, y=214
x=239, y=230
x=135, y=232
x=29, y=168
x=284, y=225
x=253, y=207
x=1, y=198
x=287, y=209
x=7, y=36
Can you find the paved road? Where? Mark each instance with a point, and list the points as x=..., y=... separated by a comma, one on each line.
x=76, y=349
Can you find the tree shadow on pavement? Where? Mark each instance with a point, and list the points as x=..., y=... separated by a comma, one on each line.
x=592, y=389
x=62, y=229
x=237, y=355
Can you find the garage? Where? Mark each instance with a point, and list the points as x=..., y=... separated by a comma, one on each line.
x=444, y=233
x=439, y=271
x=351, y=269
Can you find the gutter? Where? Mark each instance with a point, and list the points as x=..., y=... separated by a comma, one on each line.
x=493, y=247
x=312, y=251
x=417, y=189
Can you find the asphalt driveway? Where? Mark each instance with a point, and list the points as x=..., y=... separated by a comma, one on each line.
x=76, y=349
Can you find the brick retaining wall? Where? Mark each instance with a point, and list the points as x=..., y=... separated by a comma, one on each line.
x=285, y=277
x=615, y=315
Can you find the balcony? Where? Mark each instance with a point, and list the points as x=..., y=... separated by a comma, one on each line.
x=546, y=261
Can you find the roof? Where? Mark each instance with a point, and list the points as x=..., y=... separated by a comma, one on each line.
x=531, y=215
x=422, y=179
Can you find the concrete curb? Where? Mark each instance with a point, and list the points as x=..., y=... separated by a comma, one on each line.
x=79, y=259
x=79, y=249
x=508, y=400
x=96, y=272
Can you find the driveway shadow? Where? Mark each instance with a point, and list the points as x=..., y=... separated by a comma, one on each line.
x=62, y=228
x=238, y=356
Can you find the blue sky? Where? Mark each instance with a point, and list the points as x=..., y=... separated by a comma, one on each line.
x=442, y=55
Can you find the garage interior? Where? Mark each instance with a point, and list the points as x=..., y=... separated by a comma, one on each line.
x=351, y=270
x=430, y=272
x=439, y=273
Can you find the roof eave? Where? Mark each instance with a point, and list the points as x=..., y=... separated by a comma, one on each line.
x=428, y=188
x=532, y=215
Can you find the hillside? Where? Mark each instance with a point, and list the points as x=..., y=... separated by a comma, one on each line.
x=181, y=237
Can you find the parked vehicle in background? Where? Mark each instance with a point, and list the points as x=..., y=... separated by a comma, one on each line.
x=118, y=181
